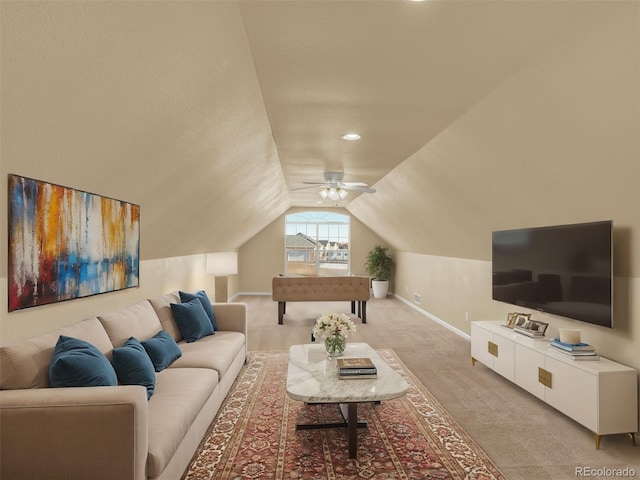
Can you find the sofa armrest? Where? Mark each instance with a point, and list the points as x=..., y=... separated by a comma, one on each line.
x=231, y=317
x=74, y=433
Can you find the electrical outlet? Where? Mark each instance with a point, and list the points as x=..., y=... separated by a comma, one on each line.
x=416, y=298
x=466, y=316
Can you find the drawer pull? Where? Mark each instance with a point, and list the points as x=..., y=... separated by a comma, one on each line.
x=492, y=348
x=544, y=377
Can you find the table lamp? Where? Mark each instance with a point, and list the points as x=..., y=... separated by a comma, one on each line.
x=221, y=265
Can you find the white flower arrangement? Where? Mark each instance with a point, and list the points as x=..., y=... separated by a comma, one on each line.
x=330, y=324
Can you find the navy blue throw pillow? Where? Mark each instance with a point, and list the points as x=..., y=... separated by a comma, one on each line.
x=77, y=363
x=206, y=304
x=133, y=366
x=192, y=320
x=162, y=350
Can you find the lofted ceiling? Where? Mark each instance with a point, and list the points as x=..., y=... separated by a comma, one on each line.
x=396, y=72
x=223, y=109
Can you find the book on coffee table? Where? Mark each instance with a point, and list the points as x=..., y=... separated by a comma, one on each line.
x=360, y=376
x=356, y=367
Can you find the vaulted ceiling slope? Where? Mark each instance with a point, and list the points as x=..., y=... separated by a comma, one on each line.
x=557, y=142
x=155, y=103
x=208, y=113
x=396, y=72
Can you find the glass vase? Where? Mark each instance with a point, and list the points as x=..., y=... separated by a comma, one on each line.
x=334, y=345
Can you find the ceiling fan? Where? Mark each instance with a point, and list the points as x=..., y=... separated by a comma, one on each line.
x=335, y=188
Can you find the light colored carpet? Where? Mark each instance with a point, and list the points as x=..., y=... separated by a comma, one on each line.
x=525, y=438
x=255, y=437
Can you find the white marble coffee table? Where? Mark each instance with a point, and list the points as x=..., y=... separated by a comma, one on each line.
x=313, y=378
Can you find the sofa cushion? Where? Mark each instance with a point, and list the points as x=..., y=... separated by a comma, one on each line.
x=25, y=364
x=139, y=320
x=162, y=306
x=180, y=395
x=215, y=352
x=133, y=365
x=77, y=363
x=192, y=320
x=162, y=350
x=206, y=304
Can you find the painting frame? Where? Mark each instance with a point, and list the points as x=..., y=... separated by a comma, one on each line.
x=66, y=243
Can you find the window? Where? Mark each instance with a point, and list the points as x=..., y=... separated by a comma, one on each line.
x=317, y=243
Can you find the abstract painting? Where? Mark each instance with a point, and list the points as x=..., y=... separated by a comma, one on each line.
x=66, y=243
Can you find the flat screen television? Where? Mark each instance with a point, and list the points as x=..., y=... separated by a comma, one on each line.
x=564, y=270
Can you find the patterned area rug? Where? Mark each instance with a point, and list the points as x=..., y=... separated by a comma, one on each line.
x=254, y=435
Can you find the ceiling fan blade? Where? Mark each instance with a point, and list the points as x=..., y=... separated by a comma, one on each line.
x=319, y=184
x=359, y=189
x=354, y=184
x=315, y=185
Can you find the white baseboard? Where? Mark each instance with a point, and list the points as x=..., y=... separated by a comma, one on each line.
x=434, y=318
x=249, y=293
x=403, y=300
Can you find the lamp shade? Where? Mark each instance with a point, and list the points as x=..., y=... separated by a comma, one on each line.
x=222, y=263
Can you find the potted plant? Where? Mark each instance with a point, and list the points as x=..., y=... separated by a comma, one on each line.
x=379, y=264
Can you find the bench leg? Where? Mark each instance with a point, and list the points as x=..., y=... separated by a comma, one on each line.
x=364, y=311
x=353, y=307
x=281, y=310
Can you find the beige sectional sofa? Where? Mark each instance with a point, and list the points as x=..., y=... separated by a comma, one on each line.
x=114, y=432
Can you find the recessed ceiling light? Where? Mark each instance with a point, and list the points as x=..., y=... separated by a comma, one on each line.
x=351, y=136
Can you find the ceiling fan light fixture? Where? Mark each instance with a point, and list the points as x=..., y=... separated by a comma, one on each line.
x=351, y=136
x=333, y=193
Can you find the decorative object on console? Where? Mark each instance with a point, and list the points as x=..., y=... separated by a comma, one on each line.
x=521, y=320
x=575, y=351
x=570, y=336
x=514, y=316
x=221, y=265
x=334, y=328
x=66, y=243
x=530, y=328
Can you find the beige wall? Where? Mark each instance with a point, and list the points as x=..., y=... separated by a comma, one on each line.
x=451, y=287
x=148, y=102
x=262, y=257
x=558, y=142
x=157, y=277
x=153, y=103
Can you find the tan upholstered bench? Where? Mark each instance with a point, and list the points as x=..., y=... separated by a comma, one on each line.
x=321, y=289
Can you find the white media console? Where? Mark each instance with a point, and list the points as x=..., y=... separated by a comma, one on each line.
x=601, y=395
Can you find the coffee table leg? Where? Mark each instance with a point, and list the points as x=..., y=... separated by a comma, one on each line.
x=350, y=414
x=353, y=430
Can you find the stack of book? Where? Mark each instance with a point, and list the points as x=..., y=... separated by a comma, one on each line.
x=575, y=351
x=356, y=368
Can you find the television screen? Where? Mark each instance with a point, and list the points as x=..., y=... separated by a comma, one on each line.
x=564, y=270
